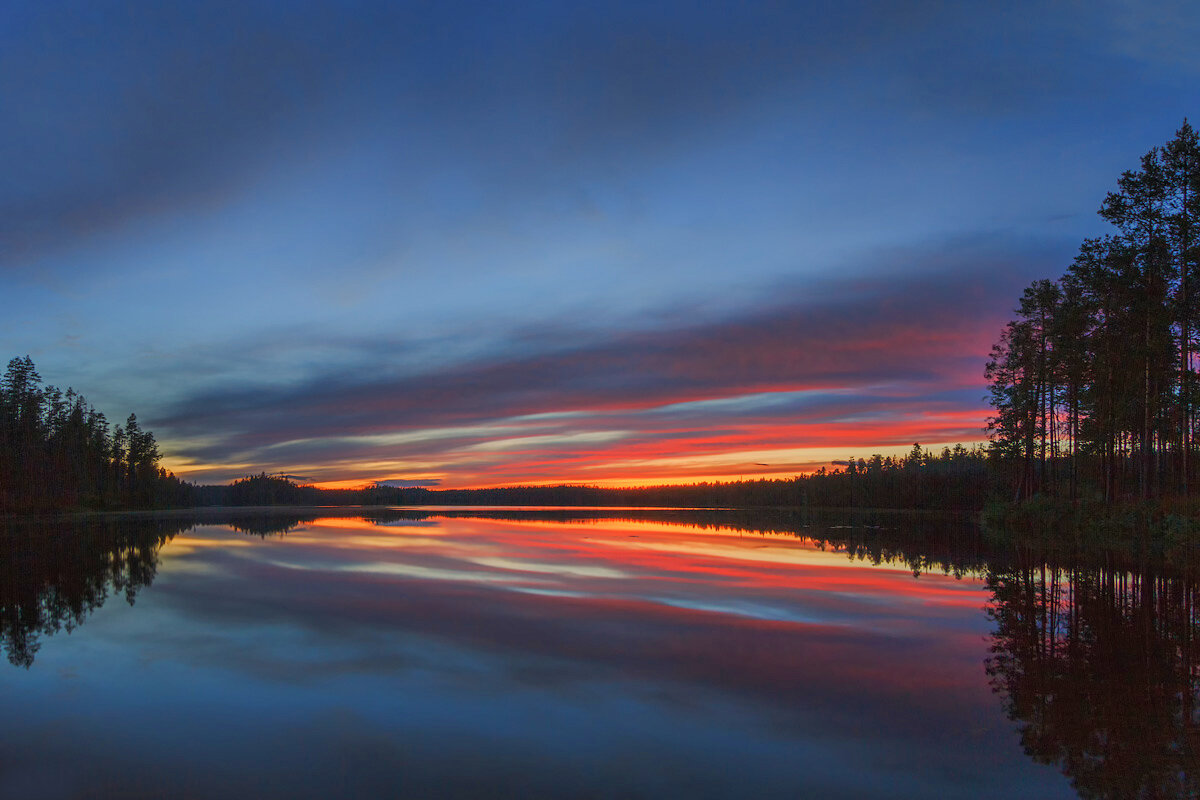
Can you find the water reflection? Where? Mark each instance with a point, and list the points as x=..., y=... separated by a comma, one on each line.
x=54, y=575
x=1098, y=666
x=573, y=652
x=56, y=572
x=456, y=654
x=266, y=523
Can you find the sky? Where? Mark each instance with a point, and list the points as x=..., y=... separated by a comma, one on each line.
x=458, y=244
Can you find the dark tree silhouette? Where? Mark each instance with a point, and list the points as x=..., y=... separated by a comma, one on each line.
x=56, y=452
x=1093, y=383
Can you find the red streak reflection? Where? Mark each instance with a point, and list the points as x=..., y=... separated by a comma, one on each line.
x=765, y=614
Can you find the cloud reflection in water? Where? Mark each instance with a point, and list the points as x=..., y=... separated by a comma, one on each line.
x=514, y=657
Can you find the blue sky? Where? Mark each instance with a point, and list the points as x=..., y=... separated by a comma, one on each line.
x=473, y=244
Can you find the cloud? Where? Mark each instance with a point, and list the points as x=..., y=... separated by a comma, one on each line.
x=899, y=359
x=1161, y=31
x=467, y=157
x=119, y=115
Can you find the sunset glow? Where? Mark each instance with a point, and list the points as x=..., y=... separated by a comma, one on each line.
x=611, y=244
x=599, y=398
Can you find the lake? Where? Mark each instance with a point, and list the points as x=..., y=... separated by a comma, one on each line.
x=582, y=653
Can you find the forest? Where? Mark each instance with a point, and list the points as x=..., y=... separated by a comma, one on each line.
x=953, y=479
x=57, y=452
x=1093, y=384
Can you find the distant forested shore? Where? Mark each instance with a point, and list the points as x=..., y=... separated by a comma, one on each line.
x=953, y=479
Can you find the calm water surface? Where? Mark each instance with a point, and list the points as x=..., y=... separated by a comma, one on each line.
x=422, y=654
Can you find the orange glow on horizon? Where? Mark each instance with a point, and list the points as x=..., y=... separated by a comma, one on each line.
x=349, y=483
x=594, y=449
x=661, y=468
x=665, y=469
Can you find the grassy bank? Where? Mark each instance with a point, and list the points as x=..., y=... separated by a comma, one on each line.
x=1168, y=527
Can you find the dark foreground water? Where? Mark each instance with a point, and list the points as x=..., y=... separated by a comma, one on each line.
x=575, y=654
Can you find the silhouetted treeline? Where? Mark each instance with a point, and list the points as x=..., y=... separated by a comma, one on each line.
x=954, y=479
x=269, y=490
x=57, y=452
x=1094, y=383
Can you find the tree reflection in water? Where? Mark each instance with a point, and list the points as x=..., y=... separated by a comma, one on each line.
x=56, y=573
x=1098, y=666
x=1096, y=662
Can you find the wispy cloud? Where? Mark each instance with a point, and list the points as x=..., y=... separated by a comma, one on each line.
x=867, y=366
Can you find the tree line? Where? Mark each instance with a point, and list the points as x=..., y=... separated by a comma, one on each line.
x=953, y=479
x=1093, y=385
x=58, y=452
